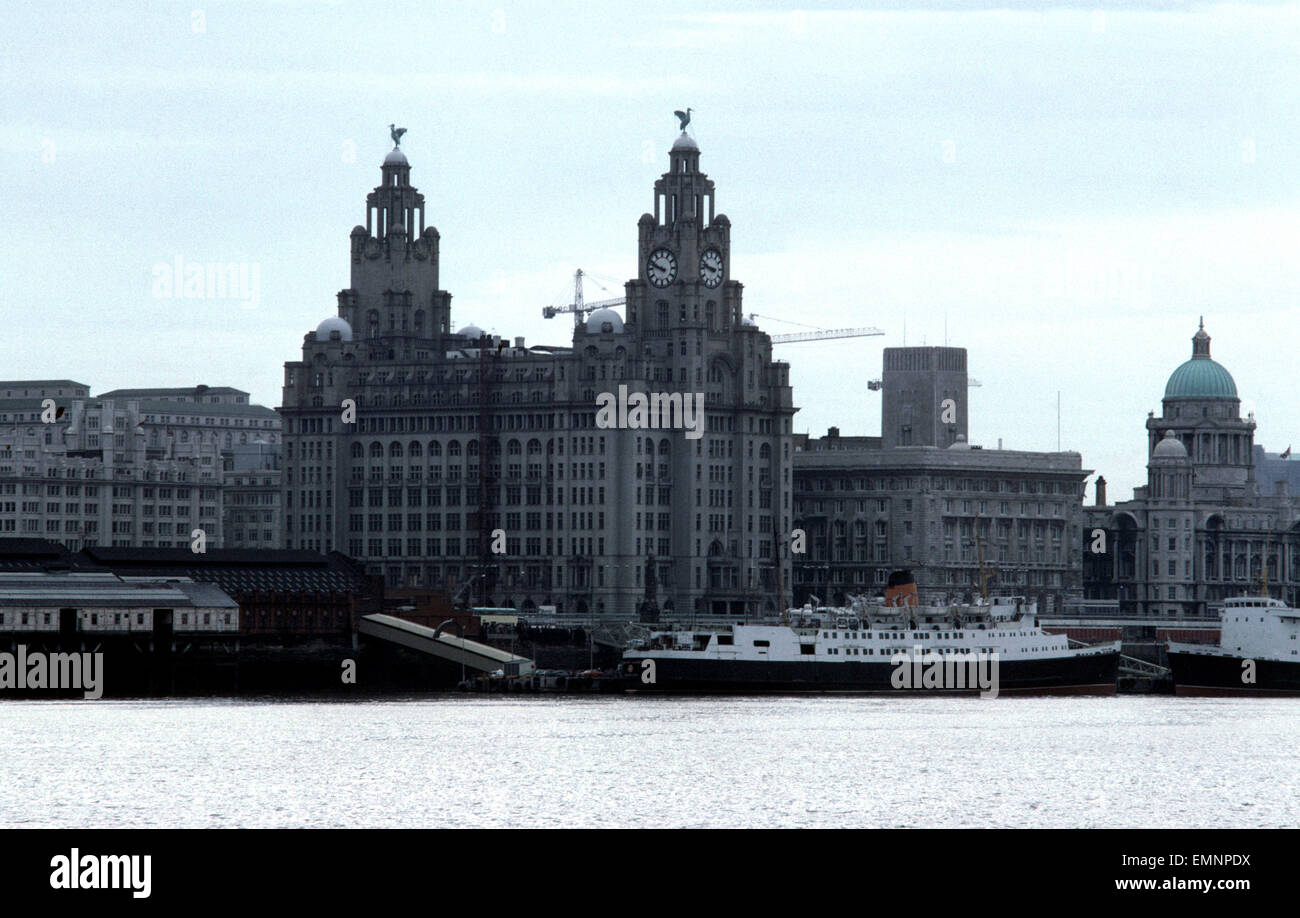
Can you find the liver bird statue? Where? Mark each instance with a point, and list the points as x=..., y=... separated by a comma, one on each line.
x=396, y=133
x=684, y=117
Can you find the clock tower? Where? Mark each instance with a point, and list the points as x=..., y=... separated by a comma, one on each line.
x=723, y=546
x=684, y=254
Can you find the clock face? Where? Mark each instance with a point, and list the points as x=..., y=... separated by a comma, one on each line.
x=661, y=267
x=711, y=268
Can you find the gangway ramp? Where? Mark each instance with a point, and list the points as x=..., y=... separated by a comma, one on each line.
x=444, y=646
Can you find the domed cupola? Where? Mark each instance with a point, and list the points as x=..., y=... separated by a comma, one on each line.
x=1200, y=447
x=1170, y=448
x=333, y=326
x=604, y=321
x=685, y=144
x=1201, y=377
x=1169, y=473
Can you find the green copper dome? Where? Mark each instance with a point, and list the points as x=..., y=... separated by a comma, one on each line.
x=1201, y=377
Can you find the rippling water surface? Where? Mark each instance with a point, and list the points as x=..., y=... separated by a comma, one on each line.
x=619, y=761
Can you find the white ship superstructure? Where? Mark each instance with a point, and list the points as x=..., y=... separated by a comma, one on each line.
x=1258, y=652
x=858, y=648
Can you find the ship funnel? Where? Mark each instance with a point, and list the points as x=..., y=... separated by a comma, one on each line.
x=901, y=589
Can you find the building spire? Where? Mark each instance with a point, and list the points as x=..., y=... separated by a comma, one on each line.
x=1201, y=343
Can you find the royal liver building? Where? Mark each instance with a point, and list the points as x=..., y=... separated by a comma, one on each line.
x=648, y=462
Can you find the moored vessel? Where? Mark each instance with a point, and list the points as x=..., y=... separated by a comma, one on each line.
x=1258, y=652
x=897, y=646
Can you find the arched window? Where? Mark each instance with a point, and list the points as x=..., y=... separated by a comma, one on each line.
x=357, y=450
x=453, y=448
x=394, y=450
x=376, y=450
x=435, y=448
x=415, y=450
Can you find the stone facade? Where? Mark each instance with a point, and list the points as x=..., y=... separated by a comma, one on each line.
x=138, y=467
x=947, y=514
x=482, y=466
x=1202, y=529
x=924, y=396
x=961, y=517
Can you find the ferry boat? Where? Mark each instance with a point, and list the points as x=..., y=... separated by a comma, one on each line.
x=894, y=647
x=1258, y=652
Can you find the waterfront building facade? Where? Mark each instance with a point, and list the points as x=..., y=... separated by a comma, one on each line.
x=43, y=605
x=1202, y=529
x=140, y=467
x=961, y=517
x=250, y=504
x=481, y=465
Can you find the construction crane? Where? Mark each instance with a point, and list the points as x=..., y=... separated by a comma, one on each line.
x=875, y=385
x=578, y=306
x=817, y=334
x=825, y=334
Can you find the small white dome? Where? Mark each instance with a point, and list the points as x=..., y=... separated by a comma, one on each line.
x=325, y=330
x=749, y=322
x=472, y=331
x=604, y=321
x=1169, y=448
x=685, y=142
x=396, y=158
x=961, y=443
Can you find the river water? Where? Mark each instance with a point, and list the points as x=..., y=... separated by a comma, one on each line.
x=455, y=760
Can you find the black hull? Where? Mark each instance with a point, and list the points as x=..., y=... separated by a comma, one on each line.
x=1210, y=675
x=1093, y=674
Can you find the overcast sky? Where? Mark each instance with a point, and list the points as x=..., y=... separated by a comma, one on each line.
x=1062, y=190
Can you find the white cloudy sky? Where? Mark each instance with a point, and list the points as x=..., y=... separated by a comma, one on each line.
x=1063, y=188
